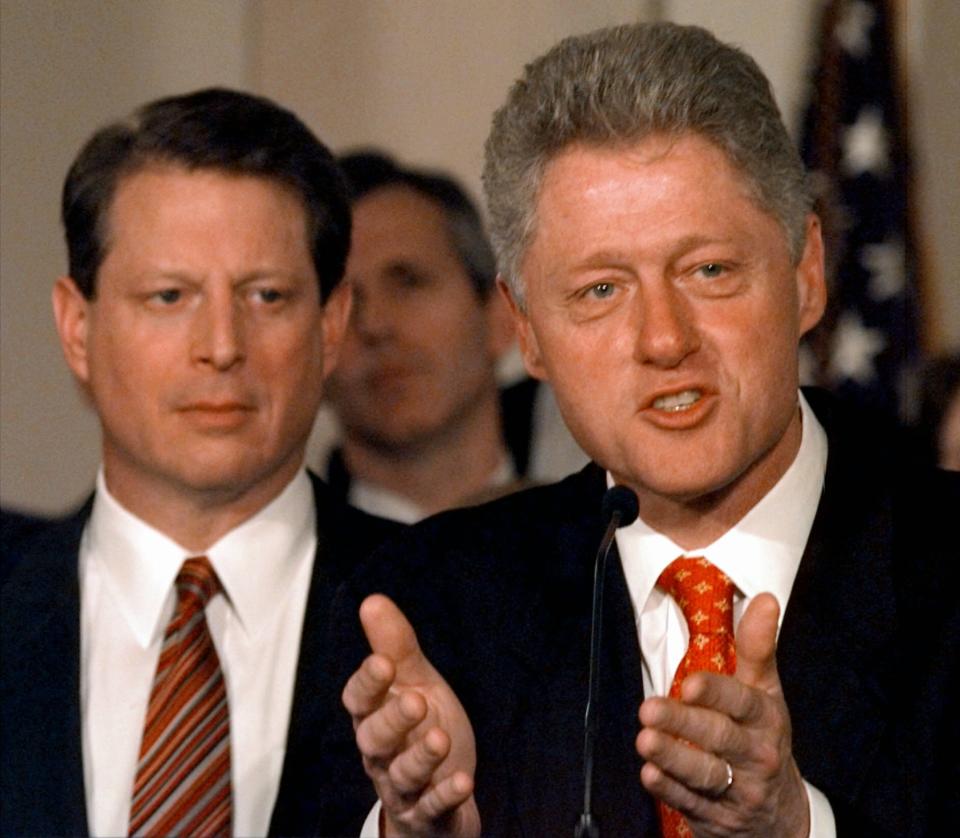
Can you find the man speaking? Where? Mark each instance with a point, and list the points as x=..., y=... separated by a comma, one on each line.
x=777, y=645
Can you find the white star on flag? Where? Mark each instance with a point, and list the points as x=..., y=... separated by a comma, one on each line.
x=885, y=262
x=852, y=30
x=854, y=348
x=865, y=147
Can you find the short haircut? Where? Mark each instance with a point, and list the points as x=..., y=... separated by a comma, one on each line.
x=618, y=86
x=369, y=170
x=214, y=129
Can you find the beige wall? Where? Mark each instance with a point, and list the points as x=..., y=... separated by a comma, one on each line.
x=67, y=66
x=420, y=77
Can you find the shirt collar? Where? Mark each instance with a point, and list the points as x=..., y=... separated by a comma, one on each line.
x=139, y=563
x=378, y=500
x=762, y=551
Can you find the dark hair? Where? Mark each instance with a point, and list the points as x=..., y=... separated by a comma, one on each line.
x=369, y=170
x=209, y=129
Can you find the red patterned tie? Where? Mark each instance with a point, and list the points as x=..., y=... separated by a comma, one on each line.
x=183, y=776
x=705, y=596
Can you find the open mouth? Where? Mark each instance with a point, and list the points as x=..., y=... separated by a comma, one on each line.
x=678, y=402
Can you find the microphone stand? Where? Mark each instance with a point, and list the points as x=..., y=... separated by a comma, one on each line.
x=620, y=504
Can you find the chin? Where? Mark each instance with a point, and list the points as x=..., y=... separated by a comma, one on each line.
x=684, y=478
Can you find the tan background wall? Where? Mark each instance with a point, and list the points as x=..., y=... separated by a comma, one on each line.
x=419, y=77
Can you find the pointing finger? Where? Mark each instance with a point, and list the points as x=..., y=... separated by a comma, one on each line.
x=388, y=631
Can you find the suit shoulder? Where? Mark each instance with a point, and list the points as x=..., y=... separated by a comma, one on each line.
x=524, y=534
x=35, y=543
x=349, y=533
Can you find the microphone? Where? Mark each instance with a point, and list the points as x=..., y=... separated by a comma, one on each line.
x=620, y=509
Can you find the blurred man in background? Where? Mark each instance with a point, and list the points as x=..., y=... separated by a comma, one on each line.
x=415, y=392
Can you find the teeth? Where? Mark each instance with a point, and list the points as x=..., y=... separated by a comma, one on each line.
x=677, y=401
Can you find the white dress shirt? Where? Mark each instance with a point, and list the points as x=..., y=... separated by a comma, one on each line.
x=127, y=596
x=377, y=500
x=760, y=553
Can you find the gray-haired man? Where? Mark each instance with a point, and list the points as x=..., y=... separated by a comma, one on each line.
x=655, y=240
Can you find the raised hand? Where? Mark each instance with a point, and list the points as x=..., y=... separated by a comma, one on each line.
x=741, y=721
x=415, y=738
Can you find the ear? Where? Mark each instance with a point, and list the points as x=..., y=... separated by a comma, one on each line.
x=529, y=347
x=71, y=313
x=811, y=282
x=336, y=314
x=501, y=333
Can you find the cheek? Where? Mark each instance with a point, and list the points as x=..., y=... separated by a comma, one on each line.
x=121, y=365
x=290, y=361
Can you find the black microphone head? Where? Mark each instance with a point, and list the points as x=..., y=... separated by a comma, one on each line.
x=623, y=500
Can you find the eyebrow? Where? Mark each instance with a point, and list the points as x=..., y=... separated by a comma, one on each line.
x=619, y=258
x=248, y=276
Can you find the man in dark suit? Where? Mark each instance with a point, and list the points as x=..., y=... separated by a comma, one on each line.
x=207, y=236
x=655, y=240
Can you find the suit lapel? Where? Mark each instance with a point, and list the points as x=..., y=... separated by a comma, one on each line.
x=310, y=771
x=552, y=653
x=837, y=631
x=298, y=805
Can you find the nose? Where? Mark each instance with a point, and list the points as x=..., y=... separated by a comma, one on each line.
x=219, y=333
x=371, y=317
x=666, y=330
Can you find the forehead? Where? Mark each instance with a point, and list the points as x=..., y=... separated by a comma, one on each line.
x=160, y=189
x=592, y=168
x=658, y=185
x=397, y=209
x=170, y=219
x=398, y=222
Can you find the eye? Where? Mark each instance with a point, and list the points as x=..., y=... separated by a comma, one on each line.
x=602, y=290
x=711, y=270
x=168, y=296
x=408, y=278
x=269, y=295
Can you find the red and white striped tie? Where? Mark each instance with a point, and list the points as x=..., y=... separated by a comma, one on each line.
x=183, y=784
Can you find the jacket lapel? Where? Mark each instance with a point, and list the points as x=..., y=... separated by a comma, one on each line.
x=310, y=771
x=838, y=629
x=552, y=653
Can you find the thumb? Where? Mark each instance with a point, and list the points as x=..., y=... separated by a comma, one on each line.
x=388, y=631
x=757, y=643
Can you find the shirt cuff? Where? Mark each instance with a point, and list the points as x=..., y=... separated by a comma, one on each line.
x=822, y=824
x=371, y=826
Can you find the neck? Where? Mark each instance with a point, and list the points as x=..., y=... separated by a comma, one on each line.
x=438, y=473
x=695, y=523
x=196, y=519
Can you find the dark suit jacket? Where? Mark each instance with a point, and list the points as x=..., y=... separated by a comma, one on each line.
x=41, y=785
x=868, y=655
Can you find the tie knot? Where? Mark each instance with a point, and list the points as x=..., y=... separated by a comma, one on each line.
x=197, y=582
x=703, y=592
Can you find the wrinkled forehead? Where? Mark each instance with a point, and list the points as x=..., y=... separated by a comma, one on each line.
x=638, y=153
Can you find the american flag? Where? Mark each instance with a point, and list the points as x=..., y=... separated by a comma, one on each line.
x=854, y=143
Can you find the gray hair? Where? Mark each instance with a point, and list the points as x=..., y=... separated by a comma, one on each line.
x=618, y=86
